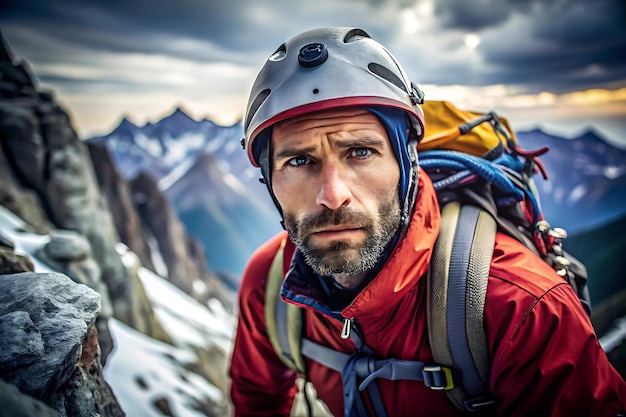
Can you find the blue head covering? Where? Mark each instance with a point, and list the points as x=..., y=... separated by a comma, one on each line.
x=397, y=125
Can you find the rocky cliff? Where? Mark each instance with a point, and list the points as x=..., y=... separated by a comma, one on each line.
x=92, y=220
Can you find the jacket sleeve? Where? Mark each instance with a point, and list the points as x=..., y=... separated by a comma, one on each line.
x=549, y=362
x=261, y=385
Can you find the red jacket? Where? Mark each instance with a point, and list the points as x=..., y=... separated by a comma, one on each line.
x=546, y=360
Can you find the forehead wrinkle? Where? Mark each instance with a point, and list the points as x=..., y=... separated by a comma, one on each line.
x=326, y=119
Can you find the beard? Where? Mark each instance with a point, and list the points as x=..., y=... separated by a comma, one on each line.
x=346, y=257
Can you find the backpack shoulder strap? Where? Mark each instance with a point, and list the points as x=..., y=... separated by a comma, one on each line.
x=283, y=320
x=457, y=287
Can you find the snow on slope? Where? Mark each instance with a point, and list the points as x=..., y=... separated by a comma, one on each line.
x=140, y=369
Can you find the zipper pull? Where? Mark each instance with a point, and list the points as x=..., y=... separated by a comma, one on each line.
x=347, y=328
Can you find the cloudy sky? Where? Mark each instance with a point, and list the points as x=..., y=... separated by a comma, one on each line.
x=560, y=64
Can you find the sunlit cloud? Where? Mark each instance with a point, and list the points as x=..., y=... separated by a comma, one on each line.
x=410, y=21
x=472, y=40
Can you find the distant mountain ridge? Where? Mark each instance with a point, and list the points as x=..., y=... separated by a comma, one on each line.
x=208, y=179
x=214, y=189
x=587, y=179
x=159, y=147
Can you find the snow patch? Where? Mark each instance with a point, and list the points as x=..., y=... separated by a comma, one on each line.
x=141, y=370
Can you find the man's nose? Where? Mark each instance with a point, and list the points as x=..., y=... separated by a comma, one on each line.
x=334, y=191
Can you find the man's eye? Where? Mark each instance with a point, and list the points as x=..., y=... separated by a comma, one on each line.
x=361, y=152
x=298, y=161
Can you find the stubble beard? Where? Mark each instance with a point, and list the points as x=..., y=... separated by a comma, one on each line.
x=343, y=257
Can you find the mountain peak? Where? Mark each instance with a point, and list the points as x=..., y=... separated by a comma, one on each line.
x=179, y=115
x=124, y=125
x=591, y=134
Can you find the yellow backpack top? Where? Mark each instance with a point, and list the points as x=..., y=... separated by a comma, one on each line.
x=448, y=127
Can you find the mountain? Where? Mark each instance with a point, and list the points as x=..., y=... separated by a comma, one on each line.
x=165, y=148
x=587, y=181
x=222, y=212
x=208, y=179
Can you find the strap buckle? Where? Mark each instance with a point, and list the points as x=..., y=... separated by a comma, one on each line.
x=437, y=377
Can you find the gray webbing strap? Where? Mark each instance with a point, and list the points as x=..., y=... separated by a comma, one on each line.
x=457, y=289
x=361, y=366
x=467, y=288
x=477, y=279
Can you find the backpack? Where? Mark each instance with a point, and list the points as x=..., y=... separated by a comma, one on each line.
x=484, y=183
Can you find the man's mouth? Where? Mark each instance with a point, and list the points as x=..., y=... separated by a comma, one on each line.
x=338, y=232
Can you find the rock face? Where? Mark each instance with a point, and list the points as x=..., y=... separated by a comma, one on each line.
x=143, y=213
x=49, y=345
x=120, y=202
x=97, y=232
x=162, y=223
x=50, y=182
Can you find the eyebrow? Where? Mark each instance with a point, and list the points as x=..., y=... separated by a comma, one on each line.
x=291, y=151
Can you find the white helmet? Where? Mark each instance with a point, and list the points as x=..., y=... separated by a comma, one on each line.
x=323, y=69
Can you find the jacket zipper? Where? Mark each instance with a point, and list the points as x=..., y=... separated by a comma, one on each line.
x=347, y=328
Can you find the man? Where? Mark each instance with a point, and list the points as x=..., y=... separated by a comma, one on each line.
x=332, y=122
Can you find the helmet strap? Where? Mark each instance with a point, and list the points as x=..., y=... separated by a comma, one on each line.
x=265, y=162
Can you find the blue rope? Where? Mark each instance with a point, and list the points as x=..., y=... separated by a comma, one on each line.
x=456, y=161
x=463, y=166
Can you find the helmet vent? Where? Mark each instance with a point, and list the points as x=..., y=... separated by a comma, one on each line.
x=280, y=53
x=354, y=35
x=260, y=98
x=386, y=74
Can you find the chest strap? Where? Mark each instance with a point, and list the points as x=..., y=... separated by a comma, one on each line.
x=362, y=366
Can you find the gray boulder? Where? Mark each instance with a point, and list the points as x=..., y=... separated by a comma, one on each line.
x=69, y=252
x=49, y=345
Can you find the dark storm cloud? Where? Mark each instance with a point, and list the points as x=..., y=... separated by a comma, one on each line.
x=557, y=45
x=562, y=45
x=238, y=29
x=141, y=27
x=478, y=14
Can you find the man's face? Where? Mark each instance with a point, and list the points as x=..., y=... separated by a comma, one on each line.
x=336, y=176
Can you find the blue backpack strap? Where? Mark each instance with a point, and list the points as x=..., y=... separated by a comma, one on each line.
x=457, y=287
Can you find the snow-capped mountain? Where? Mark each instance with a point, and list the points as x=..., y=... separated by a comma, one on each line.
x=587, y=179
x=208, y=179
x=229, y=217
x=159, y=148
